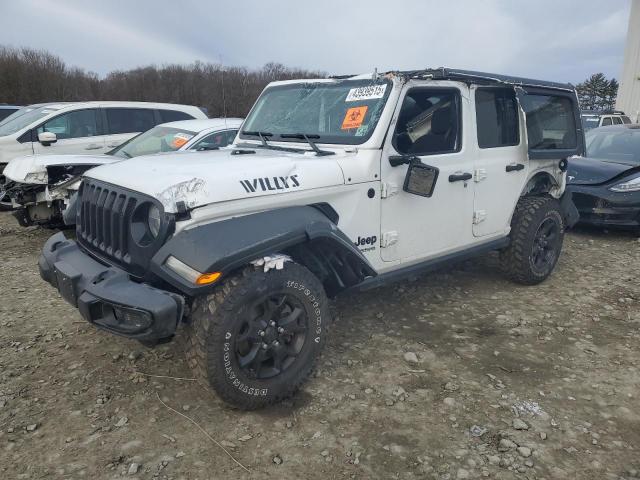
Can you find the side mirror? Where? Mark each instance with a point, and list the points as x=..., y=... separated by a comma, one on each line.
x=420, y=179
x=47, y=138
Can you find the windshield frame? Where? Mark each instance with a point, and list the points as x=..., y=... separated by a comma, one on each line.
x=323, y=139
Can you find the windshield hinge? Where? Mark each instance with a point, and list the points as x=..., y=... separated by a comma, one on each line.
x=479, y=216
x=388, y=239
x=479, y=174
x=388, y=189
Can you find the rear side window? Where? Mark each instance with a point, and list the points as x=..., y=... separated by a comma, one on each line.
x=496, y=117
x=550, y=122
x=617, y=121
x=130, y=120
x=173, y=116
x=625, y=119
x=606, y=121
x=76, y=124
x=428, y=122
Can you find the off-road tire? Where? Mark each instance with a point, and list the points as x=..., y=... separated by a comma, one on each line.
x=517, y=260
x=210, y=335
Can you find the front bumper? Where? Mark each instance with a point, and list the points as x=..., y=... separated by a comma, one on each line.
x=106, y=296
x=600, y=206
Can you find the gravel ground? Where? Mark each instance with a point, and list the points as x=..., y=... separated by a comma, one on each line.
x=454, y=375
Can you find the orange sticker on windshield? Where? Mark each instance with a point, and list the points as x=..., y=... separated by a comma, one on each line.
x=179, y=141
x=354, y=118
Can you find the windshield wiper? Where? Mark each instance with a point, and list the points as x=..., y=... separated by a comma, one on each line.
x=262, y=136
x=308, y=137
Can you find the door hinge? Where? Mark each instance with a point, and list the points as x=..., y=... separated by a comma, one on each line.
x=479, y=216
x=388, y=190
x=388, y=239
x=479, y=174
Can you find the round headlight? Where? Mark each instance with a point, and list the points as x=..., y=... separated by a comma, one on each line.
x=154, y=220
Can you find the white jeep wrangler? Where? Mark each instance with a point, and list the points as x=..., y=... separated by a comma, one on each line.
x=331, y=184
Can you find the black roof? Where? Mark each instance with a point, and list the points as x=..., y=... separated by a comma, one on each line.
x=482, y=77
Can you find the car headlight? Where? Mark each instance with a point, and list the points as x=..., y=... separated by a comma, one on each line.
x=154, y=220
x=632, y=185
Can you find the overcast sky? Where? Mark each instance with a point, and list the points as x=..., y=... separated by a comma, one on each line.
x=563, y=40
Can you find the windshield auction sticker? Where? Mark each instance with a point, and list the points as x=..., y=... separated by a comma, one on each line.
x=354, y=118
x=366, y=93
x=179, y=139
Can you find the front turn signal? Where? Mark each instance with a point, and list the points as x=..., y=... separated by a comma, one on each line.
x=207, y=278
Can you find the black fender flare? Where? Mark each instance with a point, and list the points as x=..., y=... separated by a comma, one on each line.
x=303, y=232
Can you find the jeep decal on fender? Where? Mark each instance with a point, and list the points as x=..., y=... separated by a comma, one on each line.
x=369, y=243
x=270, y=183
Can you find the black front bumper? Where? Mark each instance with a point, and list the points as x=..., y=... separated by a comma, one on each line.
x=600, y=206
x=106, y=296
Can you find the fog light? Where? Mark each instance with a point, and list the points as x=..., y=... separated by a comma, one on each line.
x=131, y=320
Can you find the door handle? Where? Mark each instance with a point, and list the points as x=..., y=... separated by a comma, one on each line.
x=460, y=177
x=93, y=146
x=514, y=167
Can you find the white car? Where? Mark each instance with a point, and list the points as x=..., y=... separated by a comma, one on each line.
x=38, y=188
x=83, y=127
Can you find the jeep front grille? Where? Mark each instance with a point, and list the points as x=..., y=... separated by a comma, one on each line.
x=104, y=219
x=105, y=216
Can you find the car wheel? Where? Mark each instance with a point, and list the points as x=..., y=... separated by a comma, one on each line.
x=257, y=337
x=537, y=233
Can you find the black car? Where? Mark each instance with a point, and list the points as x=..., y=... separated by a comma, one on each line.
x=606, y=183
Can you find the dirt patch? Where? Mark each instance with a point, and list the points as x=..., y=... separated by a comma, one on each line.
x=562, y=357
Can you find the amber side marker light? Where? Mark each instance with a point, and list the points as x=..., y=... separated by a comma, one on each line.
x=207, y=278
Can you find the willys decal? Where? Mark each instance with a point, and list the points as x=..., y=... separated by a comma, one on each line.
x=270, y=183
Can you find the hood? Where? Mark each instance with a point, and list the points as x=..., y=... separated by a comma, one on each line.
x=202, y=178
x=33, y=168
x=594, y=171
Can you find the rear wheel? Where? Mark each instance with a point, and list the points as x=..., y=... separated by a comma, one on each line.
x=537, y=233
x=256, y=339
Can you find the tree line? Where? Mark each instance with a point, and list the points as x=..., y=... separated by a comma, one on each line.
x=597, y=92
x=29, y=76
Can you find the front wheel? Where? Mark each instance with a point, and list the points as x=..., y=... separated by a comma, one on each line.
x=537, y=233
x=256, y=338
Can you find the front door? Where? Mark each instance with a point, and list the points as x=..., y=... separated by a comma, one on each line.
x=428, y=125
x=77, y=132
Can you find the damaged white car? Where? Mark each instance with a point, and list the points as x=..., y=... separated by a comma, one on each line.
x=38, y=188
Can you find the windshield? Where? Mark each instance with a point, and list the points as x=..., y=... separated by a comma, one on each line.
x=622, y=144
x=156, y=140
x=342, y=112
x=590, y=121
x=23, y=118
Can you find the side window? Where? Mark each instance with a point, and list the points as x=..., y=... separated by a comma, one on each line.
x=617, y=121
x=130, y=120
x=625, y=119
x=77, y=124
x=216, y=140
x=496, y=117
x=550, y=122
x=606, y=121
x=429, y=122
x=173, y=116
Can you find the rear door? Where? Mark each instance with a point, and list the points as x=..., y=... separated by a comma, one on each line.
x=501, y=165
x=124, y=123
x=78, y=132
